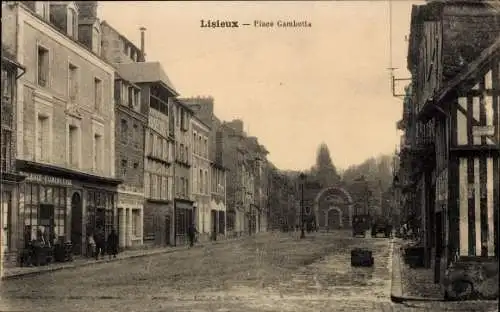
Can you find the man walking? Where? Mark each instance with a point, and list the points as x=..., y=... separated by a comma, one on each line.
x=192, y=231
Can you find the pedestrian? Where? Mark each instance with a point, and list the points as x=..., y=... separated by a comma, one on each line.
x=192, y=231
x=100, y=241
x=112, y=243
x=92, y=245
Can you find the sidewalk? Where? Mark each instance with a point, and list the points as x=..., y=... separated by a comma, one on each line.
x=17, y=272
x=411, y=284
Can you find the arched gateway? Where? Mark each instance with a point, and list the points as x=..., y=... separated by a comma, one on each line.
x=333, y=208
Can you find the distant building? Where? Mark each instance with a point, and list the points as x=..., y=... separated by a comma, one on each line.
x=206, y=220
x=203, y=108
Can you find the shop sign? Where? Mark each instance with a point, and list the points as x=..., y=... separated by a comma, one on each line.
x=181, y=205
x=479, y=131
x=44, y=179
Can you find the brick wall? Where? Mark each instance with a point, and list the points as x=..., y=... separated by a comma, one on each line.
x=130, y=151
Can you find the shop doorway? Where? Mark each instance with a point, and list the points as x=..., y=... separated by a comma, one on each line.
x=76, y=223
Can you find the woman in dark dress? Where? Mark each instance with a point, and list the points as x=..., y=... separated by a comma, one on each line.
x=112, y=244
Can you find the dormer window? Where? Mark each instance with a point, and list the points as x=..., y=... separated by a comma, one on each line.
x=72, y=22
x=96, y=40
x=42, y=9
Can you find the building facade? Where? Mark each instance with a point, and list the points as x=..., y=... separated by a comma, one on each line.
x=205, y=218
x=65, y=103
x=9, y=178
x=184, y=206
x=453, y=58
x=258, y=162
x=156, y=92
x=131, y=126
x=203, y=108
x=239, y=190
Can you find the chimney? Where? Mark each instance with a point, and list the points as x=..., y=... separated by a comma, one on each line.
x=143, y=29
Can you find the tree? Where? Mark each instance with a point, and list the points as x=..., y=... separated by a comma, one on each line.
x=324, y=170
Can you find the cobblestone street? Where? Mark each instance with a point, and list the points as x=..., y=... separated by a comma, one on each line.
x=267, y=273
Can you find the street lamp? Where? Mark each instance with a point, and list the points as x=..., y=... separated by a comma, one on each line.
x=302, y=177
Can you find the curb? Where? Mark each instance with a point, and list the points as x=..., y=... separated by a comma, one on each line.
x=84, y=264
x=70, y=266
x=396, y=285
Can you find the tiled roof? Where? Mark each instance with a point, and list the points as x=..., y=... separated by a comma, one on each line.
x=146, y=72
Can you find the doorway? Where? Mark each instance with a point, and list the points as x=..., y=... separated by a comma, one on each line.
x=167, y=230
x=76, y=223
x=214, y=224
x=439, y=243
x=334, y=218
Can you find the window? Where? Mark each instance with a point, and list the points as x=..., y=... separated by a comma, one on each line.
x=164, y=186
x=41, y=8
x=137, y=99
x=124, y=131
x=97, y=152
x=73, y=146
x=43, y=66
x=45, y=211
x=124, y=168
x=205, y=148
x=136, y=136
x=151, y=143
x=130, y=92
x=201, y=181
x=155, y=186
x=187, y=187
x=206, y=183
x=42, y=142
x=97, y=94
x=194, y=143
x=72, y=82
x=182, y=187
x=146, y=184
x=72, y=31
x=136, y=220
x=165, y=151
x=96, y=41
x=6, y=150
x=6, y=212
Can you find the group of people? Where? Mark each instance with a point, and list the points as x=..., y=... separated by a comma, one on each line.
x=99, y=245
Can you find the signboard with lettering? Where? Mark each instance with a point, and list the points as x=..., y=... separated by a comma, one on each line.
x=44, y=179
x=483, y=130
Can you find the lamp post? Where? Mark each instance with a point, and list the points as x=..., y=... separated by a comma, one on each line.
x=302, y=177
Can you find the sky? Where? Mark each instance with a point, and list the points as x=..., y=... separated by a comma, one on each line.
x=294, y=88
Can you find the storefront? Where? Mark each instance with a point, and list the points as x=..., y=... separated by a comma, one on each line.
x=184, y=217
x=59, y=205
x=130, y=218
x=158, y=224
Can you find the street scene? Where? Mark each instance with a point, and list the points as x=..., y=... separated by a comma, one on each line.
x=273, y=272
x=266, y=156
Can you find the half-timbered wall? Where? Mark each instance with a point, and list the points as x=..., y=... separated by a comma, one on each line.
x=476, y=130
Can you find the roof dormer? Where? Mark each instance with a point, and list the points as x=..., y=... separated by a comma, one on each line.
x=64, y=15
x=42, y=8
